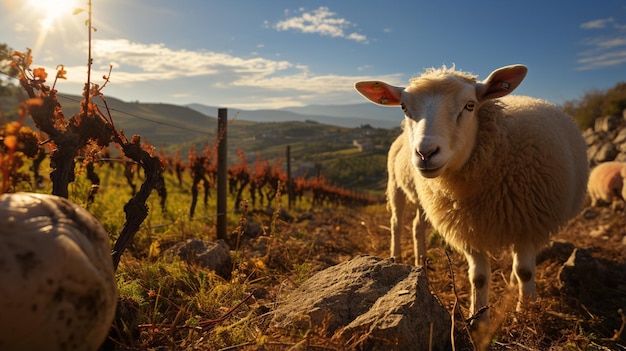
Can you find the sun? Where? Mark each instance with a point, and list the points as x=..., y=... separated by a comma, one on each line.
x=52, y=10
x=51, y=16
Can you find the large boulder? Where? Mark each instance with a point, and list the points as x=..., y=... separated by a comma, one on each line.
x=368, y=303
x=607, y=152
x=58, y=289
x=592, y=281
x=580, y=271
x=608, y=123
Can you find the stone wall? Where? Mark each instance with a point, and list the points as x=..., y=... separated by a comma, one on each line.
x=606, y=141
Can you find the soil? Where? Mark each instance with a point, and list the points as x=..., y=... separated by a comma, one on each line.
x=579, y=308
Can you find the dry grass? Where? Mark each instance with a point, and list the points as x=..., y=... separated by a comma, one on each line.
x=193, y=309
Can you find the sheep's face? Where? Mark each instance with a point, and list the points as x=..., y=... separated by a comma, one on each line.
x=441, y=112
x=440, y=123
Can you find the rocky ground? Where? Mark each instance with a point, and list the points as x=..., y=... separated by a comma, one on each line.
x=581, y=279
x=581, y=286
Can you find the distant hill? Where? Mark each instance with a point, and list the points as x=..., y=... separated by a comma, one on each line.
x=158, y=124
x=350, y=116
x=386, y=115
x=194, y=115
x=174, y=126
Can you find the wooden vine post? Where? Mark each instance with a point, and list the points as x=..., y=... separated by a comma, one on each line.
x=290, y=192
x=222, y=172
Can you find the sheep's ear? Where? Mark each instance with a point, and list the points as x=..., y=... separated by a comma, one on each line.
x=380, y=93
x=501, y=82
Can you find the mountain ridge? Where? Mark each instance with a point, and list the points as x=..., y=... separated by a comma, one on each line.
x=350, y=116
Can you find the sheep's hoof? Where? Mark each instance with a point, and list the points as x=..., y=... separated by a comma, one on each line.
x=58, y=288
x=480, y=333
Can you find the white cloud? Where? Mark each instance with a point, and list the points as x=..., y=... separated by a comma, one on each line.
x=357, y=37
x=608, y=43
x=607, y=49
x=20, y=27
x=137, y=62
x=603, y=60
x=143, y=66
x=321, y=21
x=597, y=24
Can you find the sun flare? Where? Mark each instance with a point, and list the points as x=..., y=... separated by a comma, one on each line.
x=51, y=11
x=52, y=16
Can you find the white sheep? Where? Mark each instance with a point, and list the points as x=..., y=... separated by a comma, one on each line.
x=491, y=172
x=606, y=184
x=58, y=289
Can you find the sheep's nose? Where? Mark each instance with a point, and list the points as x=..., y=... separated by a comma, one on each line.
x=425, y=155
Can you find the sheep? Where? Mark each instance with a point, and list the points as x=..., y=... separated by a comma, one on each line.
x=58, y=288
x=491, y=171
x=606, y=184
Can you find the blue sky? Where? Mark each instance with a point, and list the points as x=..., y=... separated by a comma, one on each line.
x=269, y=54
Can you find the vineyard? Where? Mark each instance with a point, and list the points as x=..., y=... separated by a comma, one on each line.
x=150, y=195
x=148, y=201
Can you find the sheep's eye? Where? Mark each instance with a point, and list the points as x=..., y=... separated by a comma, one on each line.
x=404, y=109
x=470, y=106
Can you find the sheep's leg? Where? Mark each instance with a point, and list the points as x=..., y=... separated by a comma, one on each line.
x=524, y=264
x=396, y=202
x=479, y=276
x=419, y=237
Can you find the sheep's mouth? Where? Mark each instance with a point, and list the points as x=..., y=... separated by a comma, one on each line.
x=429, y=172
x=429, y=168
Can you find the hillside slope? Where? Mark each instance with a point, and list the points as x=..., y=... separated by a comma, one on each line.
x=349, y=116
